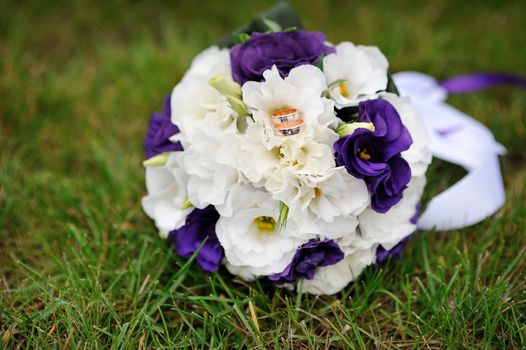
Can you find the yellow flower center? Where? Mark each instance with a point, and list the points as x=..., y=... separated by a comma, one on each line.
x=362, y=153
x=317, y=192
x=265, y=224
x=343, y=89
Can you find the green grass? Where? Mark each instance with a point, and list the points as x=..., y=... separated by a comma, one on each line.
x=81, y=266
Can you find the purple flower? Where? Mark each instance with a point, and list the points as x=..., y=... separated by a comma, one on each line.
x=286, y=50
x=308, y=257
x=160, y=129
x=200, y=226
x=374, y=156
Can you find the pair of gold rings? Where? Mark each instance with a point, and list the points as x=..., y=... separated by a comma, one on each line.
x=287, y=122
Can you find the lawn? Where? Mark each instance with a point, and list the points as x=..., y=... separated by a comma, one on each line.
x=81, y=266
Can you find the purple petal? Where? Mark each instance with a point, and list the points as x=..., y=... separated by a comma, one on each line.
x=285, y=50
x=375, y=156
x=308, y=258
x=160, y=129
x=199, y=228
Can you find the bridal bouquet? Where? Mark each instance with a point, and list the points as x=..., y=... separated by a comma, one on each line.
x=288, y=158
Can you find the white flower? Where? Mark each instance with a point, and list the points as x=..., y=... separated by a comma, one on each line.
x=339, y=194
x=284, y=167
x=212, y=172
x=390, y=228
x=299, y=163
x=311, y=157
x=208, y=124
x=329, y=205
x=363, y=70
x=256, y=162
x=332, y=279
x=285, y=170
x=418, y=155
x=210, y=62
x=197, y=106
x=301, y=90
x=277, y=162
x=166, y=194
x=253, y=244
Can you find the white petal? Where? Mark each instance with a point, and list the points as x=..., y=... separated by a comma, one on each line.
x=390, y=228
x=332, y=279
x=418, y=155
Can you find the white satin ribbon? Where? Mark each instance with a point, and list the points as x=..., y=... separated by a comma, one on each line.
x=459, y=139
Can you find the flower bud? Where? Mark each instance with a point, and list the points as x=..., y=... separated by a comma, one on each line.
x=348, y=129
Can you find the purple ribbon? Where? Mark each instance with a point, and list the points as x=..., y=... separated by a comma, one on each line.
x=478, y=81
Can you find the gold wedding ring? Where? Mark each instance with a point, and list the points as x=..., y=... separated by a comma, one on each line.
x=287, y=122
x=291, y=127
x=285, y=115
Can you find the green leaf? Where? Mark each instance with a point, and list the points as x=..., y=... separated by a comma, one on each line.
x=347, y=114
x=241, y=38
x=282, y=14
x=273, y=26
x=319, y=62
x=391, y=87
